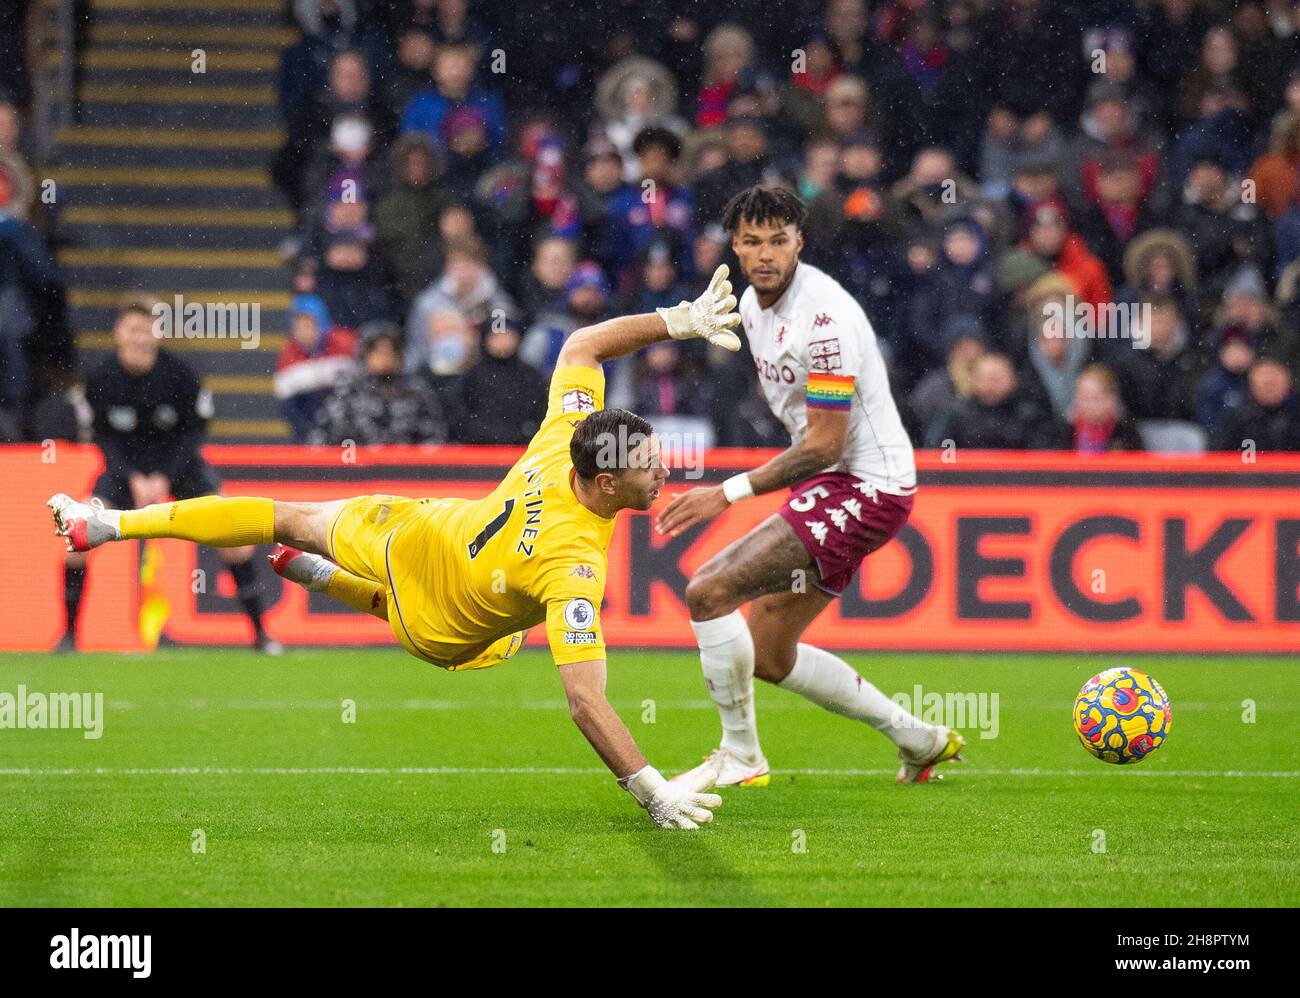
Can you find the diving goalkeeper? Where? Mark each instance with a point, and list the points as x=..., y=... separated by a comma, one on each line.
x=460, y=581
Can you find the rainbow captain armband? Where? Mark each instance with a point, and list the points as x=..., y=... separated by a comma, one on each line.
x=829, y=391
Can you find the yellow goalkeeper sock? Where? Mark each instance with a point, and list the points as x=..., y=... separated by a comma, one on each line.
x=212, y=520
x=358, y=593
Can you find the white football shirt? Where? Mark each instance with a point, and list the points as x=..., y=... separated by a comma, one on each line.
x=816, y=328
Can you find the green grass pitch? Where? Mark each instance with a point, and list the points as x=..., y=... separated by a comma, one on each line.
x=475, y=789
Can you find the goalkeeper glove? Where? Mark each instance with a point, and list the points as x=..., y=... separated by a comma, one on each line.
x=710, y=317
x=671, y=805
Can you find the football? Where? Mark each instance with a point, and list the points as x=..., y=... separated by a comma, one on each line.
x=1122, y=715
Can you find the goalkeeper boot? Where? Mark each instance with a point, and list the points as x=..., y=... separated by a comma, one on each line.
x=729, y=771
x=917, y=767
x=310, y=571
x=83, y=525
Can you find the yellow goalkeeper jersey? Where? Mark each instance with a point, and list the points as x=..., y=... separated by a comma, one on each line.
x=467, y=576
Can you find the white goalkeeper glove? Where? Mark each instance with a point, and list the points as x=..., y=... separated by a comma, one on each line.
x=710, y=317
x=672, y=805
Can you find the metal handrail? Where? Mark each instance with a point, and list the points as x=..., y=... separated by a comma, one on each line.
x=54, y=99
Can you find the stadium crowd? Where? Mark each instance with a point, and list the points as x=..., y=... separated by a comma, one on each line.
x=472, y=182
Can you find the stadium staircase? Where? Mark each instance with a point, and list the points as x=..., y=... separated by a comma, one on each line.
x=164, y=186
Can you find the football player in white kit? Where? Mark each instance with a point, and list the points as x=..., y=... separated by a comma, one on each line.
x=851, y=477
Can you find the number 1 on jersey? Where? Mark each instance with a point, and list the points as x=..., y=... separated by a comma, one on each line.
x=486, y=534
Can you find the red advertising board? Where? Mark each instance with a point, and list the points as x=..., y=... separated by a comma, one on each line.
x=1005, y=551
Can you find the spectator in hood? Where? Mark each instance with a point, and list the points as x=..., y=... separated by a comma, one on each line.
x=500, y=374
x=1269, y=418
x=634, y=94
x=1053, y=361
x=317, y=357
x=379, y=404
x=1224, y=388
x=1160, y=262
x=1246, y=303
x=407, y=217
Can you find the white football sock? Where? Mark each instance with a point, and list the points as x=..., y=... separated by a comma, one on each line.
x=310, y=571
x=830, y=682
x=727, y=655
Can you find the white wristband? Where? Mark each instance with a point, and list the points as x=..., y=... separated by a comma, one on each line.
x=737, y=487
x=643, y=783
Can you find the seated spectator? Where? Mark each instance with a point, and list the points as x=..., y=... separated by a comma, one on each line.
x=853, y=193
x=1117, y=214
x=544, y=287
x=663, y=385
x=1053, y=361
x=433, y=109
x=1224, y=231
x=930, y=188
x=379, y=404
x=448, y=349
x=747, y=163
x=1274, y=173
x=548, y=204
x=466, y=286
x=317, y=357
x=1051, y=240
x=1010, y=143
x=31, y=299
x=1159, y=382
x=995, y=416
x=659, y=282
x=310, y=116
x=1269, y=419
x=412, y=71
x=500, y=374
x=586, y=296
x=354, y=284
x=821, y=161
x=942, y=387
x=1109, y=132
x=350, y=169
x=1224, y=388
x=407, y=217
x=1098, y=421
x=1034, y=184
x=957, y=291
x=636, y=213
x=804, y=93
x=728, y=49
x=848, y=108
x=1246, y=303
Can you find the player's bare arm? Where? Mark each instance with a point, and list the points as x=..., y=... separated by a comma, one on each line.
x=711, y=317
x=670, y=805
x=821, y=447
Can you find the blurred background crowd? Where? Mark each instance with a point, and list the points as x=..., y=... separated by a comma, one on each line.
x=474, y=181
